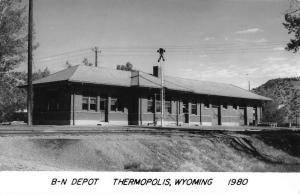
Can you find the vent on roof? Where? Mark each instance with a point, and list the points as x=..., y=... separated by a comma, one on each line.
x=156, y=71
x=135, y=78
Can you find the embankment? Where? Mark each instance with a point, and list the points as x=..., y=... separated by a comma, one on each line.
x=204, y=151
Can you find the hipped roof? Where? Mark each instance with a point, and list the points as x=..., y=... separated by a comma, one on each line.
x=103, y=76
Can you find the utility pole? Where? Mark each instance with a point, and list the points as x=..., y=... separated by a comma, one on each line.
x=249, y=85
x=249, y=88
x=29, y=74
x=96, y=50
x=161, y=60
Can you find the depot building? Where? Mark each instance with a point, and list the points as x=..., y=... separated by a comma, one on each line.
x=84, y=95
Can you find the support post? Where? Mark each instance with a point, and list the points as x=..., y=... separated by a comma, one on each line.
x=177, y=112
x=73, y=106
x=140, y=111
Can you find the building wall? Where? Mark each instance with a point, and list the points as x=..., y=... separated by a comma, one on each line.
x=234, y=114
x=51, y=105
x=206, y=118
x=230, y=116
x=101, y=116
x=70, y=97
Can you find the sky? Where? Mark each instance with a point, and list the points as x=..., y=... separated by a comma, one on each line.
x=228, y=41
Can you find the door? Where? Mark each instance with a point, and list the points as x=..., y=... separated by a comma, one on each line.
x=216, y=115
x=133, y=110
x=185, y=111
x=243, y=116
x=255, y=116
x=103, y=109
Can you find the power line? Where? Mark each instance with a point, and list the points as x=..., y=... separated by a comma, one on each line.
x=64, y=53
x=211, y=49
x=185, y=52
x=195, y=48
x=180, y=46
x=66, y=57
x=143, y=48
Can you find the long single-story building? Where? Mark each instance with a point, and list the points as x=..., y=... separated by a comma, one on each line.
x=83, y=95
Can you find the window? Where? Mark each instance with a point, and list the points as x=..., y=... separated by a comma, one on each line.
x=85, y=103
x=120, y=105
x=157, y=103
x=185, y=107
x=113, y=104
x=194, y=108
x=168, y=107
x=116, y=104
x=93, y=103
x=89, y=102
x=53, y=101
x=103, y=103
x=150, y=105
x=157, y=106
x=206, y=104
x=53, y=104
x=234, y=106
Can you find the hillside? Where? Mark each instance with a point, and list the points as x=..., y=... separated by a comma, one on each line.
x=198, y=151
x=286, y=95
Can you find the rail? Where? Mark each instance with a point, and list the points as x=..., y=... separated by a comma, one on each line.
x=267, y=124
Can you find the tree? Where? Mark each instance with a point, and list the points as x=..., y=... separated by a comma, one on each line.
x=273, y=113
x=86, y=62
x=295, y=107
x=127, y=67
x=13, y=34
x=40, y=74
x=292, y=24
x=13, y=98
x=13, y=49
x=68, y=64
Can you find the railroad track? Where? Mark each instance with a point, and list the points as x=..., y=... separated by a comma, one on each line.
x=90, y=132
x=121, y=130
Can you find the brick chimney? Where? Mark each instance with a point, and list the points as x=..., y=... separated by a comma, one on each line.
x=156, y=71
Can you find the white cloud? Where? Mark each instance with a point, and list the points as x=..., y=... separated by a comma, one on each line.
x=276, y=67
x=249, y=31
x=278, y=48
x=262, y=40
x=209, y=73
x=209, y=38
x=256, y=70
x=47, y=59
x=275, y=59
x=281, y=70
x=256, y=0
